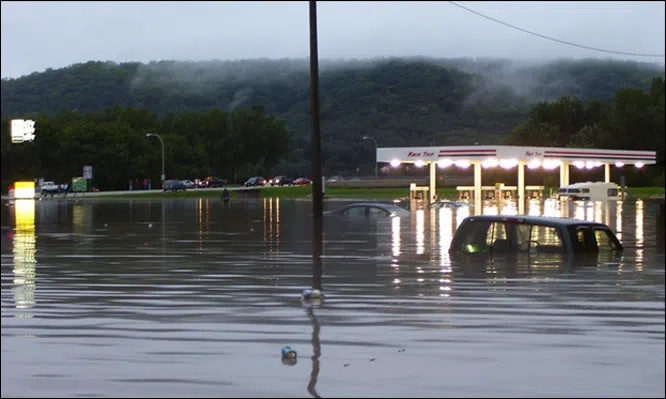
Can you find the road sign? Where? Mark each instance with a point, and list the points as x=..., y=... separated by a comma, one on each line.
x=22, y=130
x=79, y=184
x=87, y=172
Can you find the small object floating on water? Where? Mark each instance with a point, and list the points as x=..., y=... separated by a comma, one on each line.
x=311, y=293
x=401, y=350
x=372, y=359
x=288, y=355
x=150, y=225
x=345, y=365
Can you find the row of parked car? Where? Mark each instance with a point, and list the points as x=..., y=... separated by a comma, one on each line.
x=182, y=185
x=258, y=181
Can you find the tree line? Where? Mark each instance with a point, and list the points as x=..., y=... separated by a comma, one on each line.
x=230, y=145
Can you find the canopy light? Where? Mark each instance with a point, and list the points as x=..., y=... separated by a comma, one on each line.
x=444, y=163
x=533, y=164
x=508, y=163
x=462, y=164
x=550, y=164
x=489, y=163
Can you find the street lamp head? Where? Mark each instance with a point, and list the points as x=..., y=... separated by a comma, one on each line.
x=365, y=137
x=148, y=134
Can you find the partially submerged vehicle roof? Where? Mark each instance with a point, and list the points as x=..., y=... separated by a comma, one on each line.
x=545, y=220
x=389, y=208
x=451, y=204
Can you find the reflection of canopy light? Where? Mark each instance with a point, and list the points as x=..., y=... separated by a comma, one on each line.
x=550, y=164
x=589, y=165
x=619, y=164
x=489, y=163
x=508, y=163
x=579, y=164
x=395, y=163
x=639, y=165
x=462, y=164
x=533, y=164
x=445, y=163
x=419, y=163
x=24, y=190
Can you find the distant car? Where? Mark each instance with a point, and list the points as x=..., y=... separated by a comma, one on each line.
x=49, y=187
x=281, y=181
x=214, y=182
x=335, y=179
x=188, y=183
x=370, y=209
x=532, y=234
x=302, y=181
x=255, y=181
x=173, y=185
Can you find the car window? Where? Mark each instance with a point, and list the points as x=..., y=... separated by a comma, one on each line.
x=473, y=237
x=547, y=239
x=604, y=240
x=523, y=237
x=496, y=231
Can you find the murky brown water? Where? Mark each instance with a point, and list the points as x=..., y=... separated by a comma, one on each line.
x=124, y=298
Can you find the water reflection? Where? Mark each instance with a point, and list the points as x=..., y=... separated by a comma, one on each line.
x=122, y=321
x=25, y=262
x=271, y=211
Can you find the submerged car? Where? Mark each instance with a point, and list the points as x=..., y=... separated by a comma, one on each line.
x=532, y=234
x=370, y=209
x=449, y=204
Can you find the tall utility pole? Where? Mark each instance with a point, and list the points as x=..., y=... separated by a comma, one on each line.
x=317, y=197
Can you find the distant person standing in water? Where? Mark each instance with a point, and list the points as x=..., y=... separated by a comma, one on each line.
x=226, y=196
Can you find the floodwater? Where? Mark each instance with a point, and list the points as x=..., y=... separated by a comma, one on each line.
x=196, y=298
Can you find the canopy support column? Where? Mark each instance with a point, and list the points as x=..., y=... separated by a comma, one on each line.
x=521, y=187
x=607, y=172
x=433, y=181
x=477, y=188
x=564, y=174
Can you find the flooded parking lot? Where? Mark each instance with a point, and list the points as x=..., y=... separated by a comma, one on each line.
x=173, y=298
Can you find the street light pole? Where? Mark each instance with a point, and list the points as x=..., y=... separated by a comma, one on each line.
x=374, y=141
x=162, y=142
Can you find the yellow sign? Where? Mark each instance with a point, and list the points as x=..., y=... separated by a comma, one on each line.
x=24, y=190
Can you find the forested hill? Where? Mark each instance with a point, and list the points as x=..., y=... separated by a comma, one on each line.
x=411, y=101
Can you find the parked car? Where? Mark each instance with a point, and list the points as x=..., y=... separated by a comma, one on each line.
x=188, y=183
x=212, y=181
x=532, y=234
x=255, y=181
x=369, y=209
x=173, y=185
x=281, y=181
x=335, y=179
x=49, y=187
x=302, y=181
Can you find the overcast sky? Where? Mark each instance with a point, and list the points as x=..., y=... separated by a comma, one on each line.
x=39, y=35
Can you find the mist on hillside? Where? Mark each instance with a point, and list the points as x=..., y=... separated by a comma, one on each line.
x=529, y=81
